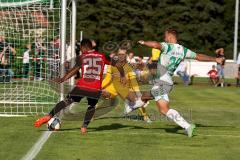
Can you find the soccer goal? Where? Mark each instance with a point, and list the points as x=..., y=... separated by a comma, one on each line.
x=31, y=54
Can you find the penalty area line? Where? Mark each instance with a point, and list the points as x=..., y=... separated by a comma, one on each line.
x=32, y=153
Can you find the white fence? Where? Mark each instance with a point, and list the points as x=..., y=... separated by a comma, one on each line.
x=200, y=69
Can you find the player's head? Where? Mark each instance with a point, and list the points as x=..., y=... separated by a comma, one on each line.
x=86, y=45
x=171, y=36
x=122, y=54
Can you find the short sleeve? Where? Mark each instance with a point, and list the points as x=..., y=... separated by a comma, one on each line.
x=189, y=54
x=164, y=47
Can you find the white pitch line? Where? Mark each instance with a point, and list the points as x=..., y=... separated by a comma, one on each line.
x=7, y=115
x=37, y=146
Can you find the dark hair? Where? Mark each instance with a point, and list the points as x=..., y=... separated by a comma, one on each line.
x=172, y=31
x=140, y=57
x=86, y=43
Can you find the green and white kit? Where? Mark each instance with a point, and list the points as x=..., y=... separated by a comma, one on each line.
x=171, y=56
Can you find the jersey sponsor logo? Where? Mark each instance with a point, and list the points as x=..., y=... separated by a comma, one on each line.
x=90, y=76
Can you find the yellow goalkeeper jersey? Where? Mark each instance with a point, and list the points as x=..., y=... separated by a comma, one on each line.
x=112, y=84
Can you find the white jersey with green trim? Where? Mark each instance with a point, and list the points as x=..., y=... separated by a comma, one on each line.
x=170, y=58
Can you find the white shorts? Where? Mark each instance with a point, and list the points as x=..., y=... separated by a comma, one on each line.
x=160, y=91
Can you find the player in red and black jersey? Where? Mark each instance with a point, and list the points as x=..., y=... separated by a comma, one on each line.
x=92, y=65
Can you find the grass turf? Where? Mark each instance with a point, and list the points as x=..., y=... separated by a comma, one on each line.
x=214, y=110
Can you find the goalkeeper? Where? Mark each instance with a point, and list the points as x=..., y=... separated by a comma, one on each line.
x=126, y=88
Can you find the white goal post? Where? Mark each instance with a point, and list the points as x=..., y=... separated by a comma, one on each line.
x=33, y=39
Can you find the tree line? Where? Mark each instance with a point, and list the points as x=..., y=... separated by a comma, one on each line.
x=203, y=25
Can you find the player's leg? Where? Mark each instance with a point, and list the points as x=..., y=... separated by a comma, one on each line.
x=89, y=114
x=160, y=92
x=70, y=98
x=143, y=113
x=135, y=100
x=174, y=115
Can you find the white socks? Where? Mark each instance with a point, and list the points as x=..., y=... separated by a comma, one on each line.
x=177, y=118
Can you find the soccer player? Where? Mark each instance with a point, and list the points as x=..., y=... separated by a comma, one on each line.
x=172, y=54
x=129, y=92
x=92, y=65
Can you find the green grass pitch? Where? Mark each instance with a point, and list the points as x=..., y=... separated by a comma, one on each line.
x=215, y=111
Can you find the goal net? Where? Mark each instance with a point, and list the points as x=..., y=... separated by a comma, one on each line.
x=29, y=55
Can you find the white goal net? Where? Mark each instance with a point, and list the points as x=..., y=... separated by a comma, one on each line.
x=29, y=55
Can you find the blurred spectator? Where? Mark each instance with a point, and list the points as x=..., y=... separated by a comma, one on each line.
x=39, y=54
x=7, y=55
x=154, y=58
x=139, y=67
x=130, y=59
x=26, y=61
x=112, y=55
x=182, y=72
x=238, y=78
x=77, y=48
x=152, y=64
x=213, y=75
x=53, y=58
x=78, y=52
x=220, y=67
x=68, y=57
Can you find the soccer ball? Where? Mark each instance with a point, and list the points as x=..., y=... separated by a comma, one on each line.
x=54, y=124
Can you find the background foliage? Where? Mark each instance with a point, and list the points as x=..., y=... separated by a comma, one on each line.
x=203, y=25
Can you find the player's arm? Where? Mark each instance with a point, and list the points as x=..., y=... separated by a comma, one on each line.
x=203, y=57
x=150, y=60
x=108, y=78
x=71, y=72
x=152, y=44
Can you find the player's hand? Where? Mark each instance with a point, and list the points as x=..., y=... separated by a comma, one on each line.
x=105, y=94
x=58, y=80
x=141, y=42
x=220, y=60
x=123, y=80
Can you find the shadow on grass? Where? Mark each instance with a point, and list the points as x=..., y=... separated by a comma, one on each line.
x=212, y=126
x=115, y=126
x=174, y=130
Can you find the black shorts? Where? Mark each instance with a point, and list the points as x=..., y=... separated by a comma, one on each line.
x=76, y=94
